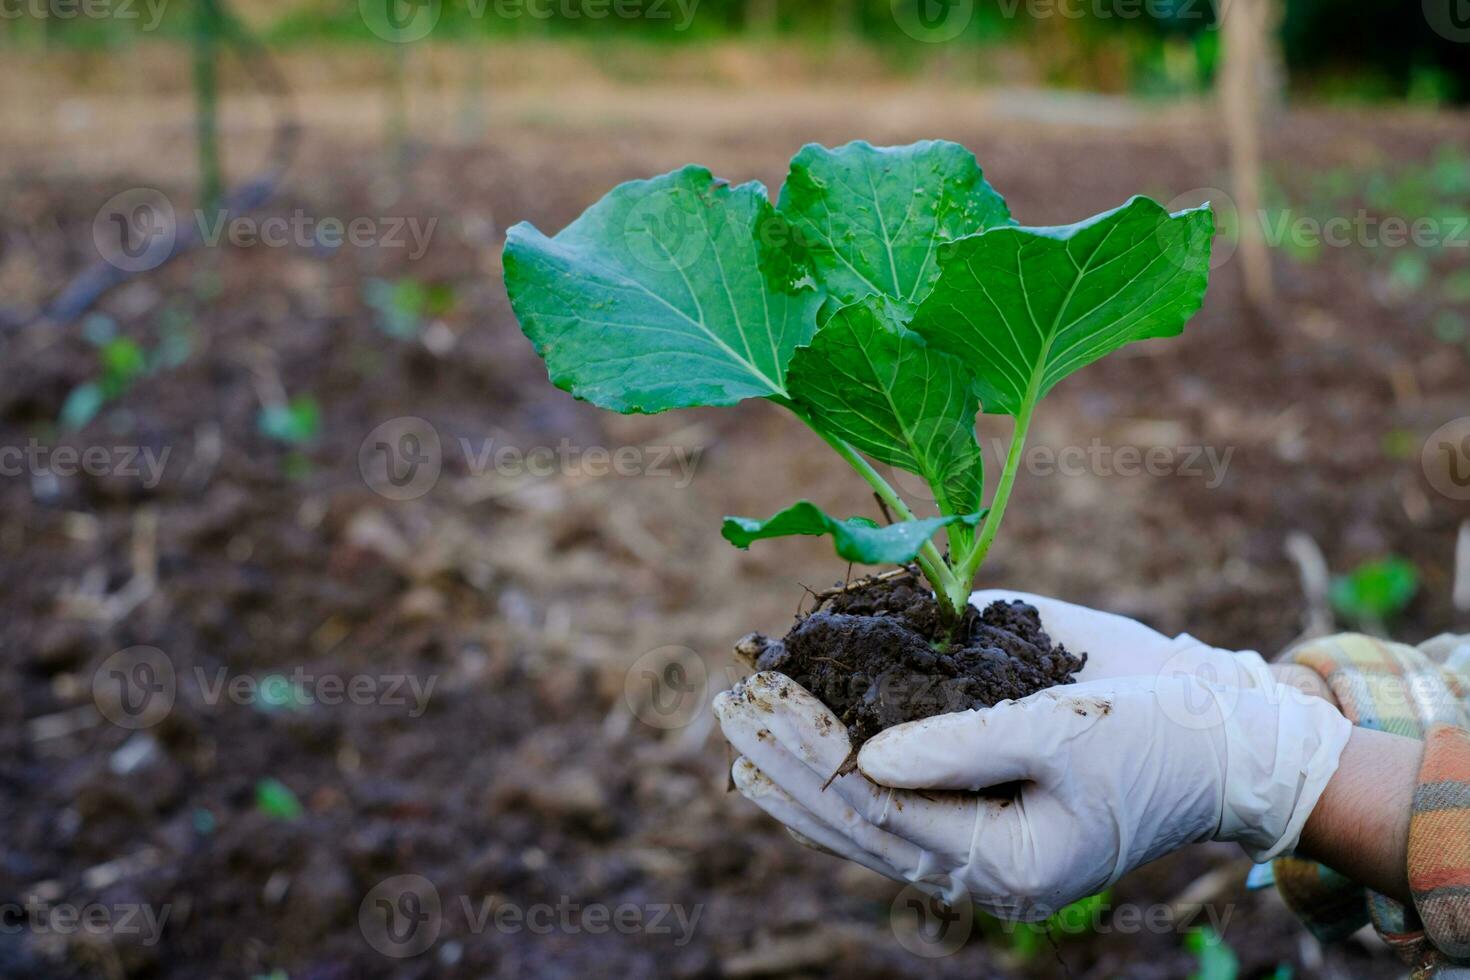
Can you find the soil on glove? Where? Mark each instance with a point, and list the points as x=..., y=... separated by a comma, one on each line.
x=876, y=654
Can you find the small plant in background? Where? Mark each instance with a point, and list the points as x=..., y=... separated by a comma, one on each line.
x=276, y=800
x=1026, y=940
x=1375, y=593
x=1214, y=958
x=293, y=423
x=121, y=362
x=404, y=307
x=1358, y=204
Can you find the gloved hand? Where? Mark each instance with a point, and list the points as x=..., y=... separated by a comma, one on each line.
x=1086, y=781
x=1117, y=646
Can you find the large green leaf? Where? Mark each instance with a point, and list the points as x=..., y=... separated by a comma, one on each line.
x=879, y=387
x=871, y=219
x=1025, y=307
x=654, y=299
x=857, y=538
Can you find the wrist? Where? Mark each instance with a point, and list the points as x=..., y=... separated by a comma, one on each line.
x=1360, y=826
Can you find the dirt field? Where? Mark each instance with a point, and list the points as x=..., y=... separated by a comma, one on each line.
x=528, y=601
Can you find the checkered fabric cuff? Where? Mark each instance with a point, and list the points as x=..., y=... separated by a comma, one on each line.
x=1439, y=842
x=1396, y=688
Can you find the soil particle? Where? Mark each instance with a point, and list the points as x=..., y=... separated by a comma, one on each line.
x=876, y=655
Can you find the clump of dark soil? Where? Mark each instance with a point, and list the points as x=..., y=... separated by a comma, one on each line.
x=876, y=653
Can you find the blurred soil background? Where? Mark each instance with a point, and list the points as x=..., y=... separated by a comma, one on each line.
x=532, y=603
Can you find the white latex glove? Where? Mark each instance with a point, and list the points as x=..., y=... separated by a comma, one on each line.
x=1117, y=646
x=1088, y=782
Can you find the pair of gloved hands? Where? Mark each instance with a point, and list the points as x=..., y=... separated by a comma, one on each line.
x=1029, y=805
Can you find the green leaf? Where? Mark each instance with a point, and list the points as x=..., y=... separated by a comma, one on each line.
x=82, y=405
x=294, y=423
x=123, y=362
x=857, y=538
x=275, y=799
x=1216, y=960
x=878, y=386
x=871, y=219
x=1376, y=590
x=1025, y=307
x=654, y=298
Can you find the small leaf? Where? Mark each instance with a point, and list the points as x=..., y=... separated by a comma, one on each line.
x=655, y=299
x=275, y=799
x=294, y=423
x=1216, y=960
x=1376, y=590
x=871, y=219
x=869, y=381
x=82, y=405
x=123, y=362
x=857, y=539
x=1025, y=307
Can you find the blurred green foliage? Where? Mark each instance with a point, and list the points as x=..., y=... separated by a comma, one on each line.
x=1408, y=224
x=1375, y=51
x=1214, y=959
x=1376, y=592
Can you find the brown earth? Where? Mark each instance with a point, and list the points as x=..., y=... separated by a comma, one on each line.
x=537, y=772
x=879, y=653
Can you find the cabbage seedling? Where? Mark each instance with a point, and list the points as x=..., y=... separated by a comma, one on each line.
x=885, y=298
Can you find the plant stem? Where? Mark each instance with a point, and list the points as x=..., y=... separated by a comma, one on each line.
x=973, y=560
x=931, y=562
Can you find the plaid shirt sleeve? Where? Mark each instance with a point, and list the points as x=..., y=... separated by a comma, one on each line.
x=1421, y=693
